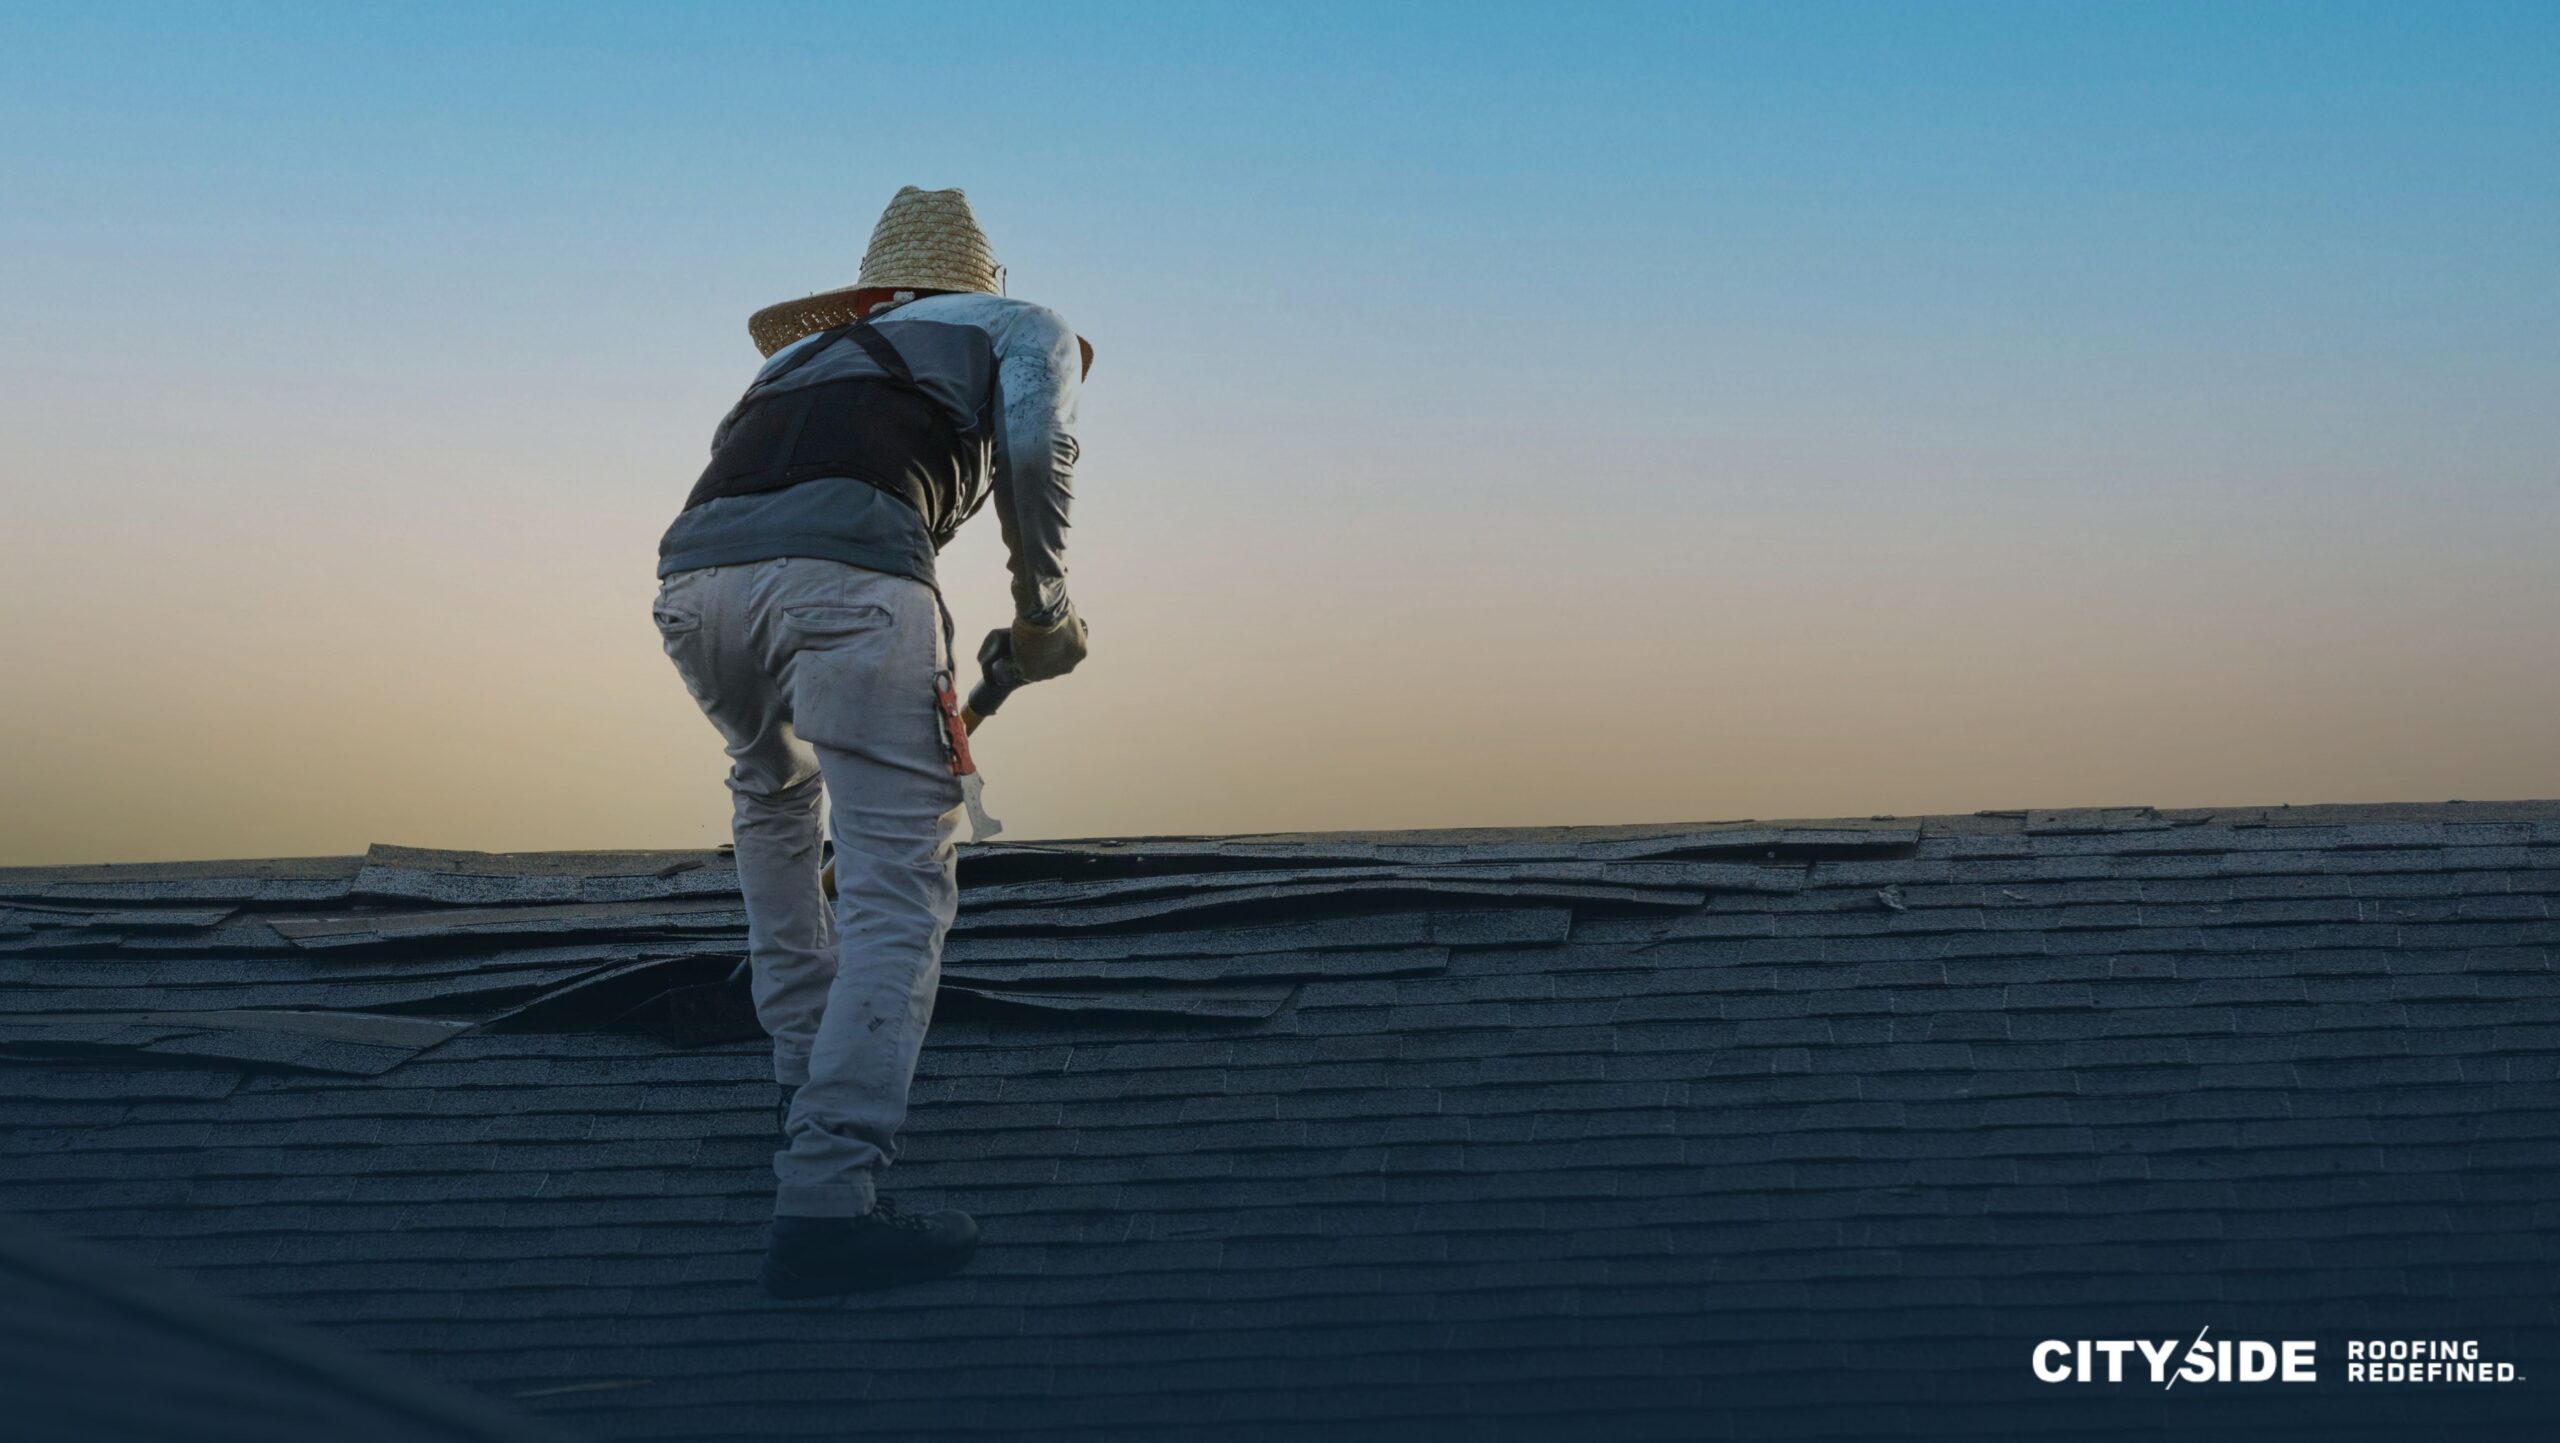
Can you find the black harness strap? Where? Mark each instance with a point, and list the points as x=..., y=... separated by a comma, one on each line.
x=865, y=335
x=882, y=354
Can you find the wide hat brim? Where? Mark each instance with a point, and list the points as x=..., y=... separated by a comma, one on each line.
x=778, y=325
x=927, y=240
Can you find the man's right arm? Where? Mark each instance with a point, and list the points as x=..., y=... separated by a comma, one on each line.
x=1039, y=375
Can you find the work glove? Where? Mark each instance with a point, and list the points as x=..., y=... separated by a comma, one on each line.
x=1041, y=652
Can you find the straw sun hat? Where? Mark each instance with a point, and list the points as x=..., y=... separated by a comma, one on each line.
x=927, y=240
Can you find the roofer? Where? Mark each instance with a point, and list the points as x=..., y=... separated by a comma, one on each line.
x=800, y=606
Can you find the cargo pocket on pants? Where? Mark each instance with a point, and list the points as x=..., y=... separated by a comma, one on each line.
x=841, y=672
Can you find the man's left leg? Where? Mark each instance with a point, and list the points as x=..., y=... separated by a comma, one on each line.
x=857, y=652
x=896, y=894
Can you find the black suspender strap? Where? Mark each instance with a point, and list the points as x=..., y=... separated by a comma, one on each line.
x=882, y=354
x=865, y=335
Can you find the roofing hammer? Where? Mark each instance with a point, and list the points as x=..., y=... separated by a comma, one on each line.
x=998, y=678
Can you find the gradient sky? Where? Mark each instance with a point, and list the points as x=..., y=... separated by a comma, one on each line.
x=1504, y=414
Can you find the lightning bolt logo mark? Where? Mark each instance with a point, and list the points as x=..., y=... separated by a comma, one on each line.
x=2182, y=1357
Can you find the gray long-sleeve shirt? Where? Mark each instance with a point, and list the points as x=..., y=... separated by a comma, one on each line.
x=1006, y=371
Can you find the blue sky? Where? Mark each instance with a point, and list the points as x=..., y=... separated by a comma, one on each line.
x=1996, y=369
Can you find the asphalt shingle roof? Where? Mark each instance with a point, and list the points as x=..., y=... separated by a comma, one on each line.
x=1744, y=1130
x=100, y=1349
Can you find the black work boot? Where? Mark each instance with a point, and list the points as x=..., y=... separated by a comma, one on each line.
x=815, y=1257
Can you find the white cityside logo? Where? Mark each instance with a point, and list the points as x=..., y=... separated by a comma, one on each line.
x=2227, y=1360
x=2222, y=1361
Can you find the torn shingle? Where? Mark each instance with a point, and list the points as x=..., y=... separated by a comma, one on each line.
x=37, y=916
x=1218, y=1003
x=466, y=879
x=1318, y=899
x=365, y=929
x=1209, y=966
x=353, y=1042
x=1677, y=878
x=291, y=880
